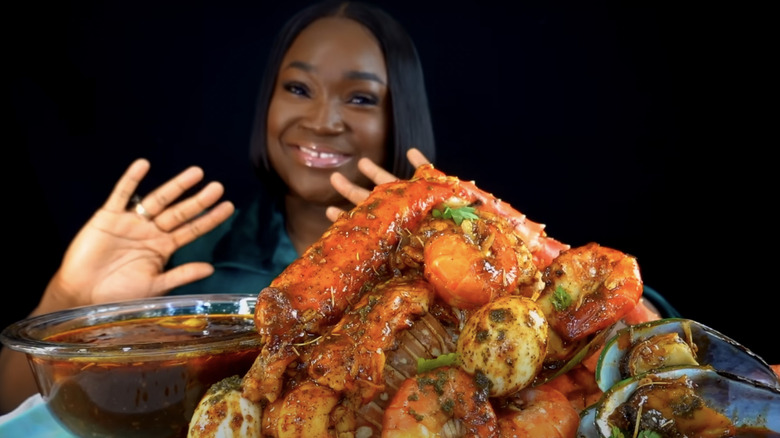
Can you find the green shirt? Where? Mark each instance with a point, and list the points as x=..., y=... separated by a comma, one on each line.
x=247, y=251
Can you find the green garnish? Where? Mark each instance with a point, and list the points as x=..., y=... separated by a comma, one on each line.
x=424, y=365
x=617, y=433
x=561, y=299
x=456, y=214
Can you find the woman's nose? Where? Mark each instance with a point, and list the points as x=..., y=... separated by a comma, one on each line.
x=324, y=117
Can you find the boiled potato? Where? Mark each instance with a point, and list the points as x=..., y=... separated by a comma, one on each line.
x=224, y=413
x=506, y=340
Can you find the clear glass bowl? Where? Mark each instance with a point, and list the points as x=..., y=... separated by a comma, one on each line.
x=136, y=368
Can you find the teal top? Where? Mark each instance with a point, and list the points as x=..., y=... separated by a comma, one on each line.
x=247, y=251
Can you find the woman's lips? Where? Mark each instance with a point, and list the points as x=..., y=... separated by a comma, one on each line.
x=320, y=158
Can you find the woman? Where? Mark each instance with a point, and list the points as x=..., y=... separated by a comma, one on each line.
x=343, y=89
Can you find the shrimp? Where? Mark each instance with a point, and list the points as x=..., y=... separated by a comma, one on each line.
x=578, y=385
x=303, y=411
x=537, y=412
x=543, y=247
x=476, y=261
x=313, y=292
x=445, y=398
x=589, y=288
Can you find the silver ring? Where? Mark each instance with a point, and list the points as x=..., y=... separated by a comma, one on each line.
x=139, y=208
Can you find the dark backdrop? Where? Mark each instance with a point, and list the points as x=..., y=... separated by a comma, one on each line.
x=628, y=125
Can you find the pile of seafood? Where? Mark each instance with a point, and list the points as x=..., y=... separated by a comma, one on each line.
x=435, y=309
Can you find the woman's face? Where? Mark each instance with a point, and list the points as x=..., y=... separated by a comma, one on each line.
x=329, y=108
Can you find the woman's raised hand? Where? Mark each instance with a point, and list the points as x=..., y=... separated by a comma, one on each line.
x=121, y=252
x=375, y=173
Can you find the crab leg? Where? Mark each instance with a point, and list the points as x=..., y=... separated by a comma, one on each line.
x=314, y=291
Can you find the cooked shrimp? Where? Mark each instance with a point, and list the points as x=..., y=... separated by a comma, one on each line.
x=543, y=247
x=578, y=385
x=588, y=289
x=538, y=412
x=642, y=312
x=472, y=262
x=304, y=411
x=442, y=399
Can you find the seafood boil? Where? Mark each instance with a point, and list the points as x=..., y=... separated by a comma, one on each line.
x=432, y=308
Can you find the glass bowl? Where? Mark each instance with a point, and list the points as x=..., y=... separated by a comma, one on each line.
x=136, y=368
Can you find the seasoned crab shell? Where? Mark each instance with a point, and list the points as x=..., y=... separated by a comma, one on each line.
x=506, y=341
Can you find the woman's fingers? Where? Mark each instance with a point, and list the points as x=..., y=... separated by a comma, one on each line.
x=160, y=198
x=374, y=172
x=126, y=185
x=333, y=213
x=349, y=190
x=183, y=211
x=416, y=157
x=195, y=228
x=181, y=275
x=356, y=194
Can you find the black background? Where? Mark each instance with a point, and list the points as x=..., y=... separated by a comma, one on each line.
x=644, y=127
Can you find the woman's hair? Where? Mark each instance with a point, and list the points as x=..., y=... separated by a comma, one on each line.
x=411, y=119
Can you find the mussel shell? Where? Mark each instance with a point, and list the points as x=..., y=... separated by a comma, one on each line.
x=746, y=402
x=587, y=427
x=713, y=348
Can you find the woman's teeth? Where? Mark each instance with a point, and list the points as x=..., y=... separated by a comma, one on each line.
x=319, y=159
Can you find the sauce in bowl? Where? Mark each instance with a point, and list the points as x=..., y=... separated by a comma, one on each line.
x=140, y=398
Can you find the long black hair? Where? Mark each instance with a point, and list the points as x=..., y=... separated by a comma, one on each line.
x=411, y=119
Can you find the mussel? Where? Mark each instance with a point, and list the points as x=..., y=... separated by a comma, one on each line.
x=656, y=345
x=684, y=401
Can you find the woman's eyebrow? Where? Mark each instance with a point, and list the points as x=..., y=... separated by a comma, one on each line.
x=363, y=75
x=351, y=74
x=301, y=65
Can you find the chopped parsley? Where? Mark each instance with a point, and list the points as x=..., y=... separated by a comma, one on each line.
x=617, y=433
x=456, y=214
x=561, y=299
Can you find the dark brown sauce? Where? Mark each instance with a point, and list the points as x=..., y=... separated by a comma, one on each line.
x=142, y=398
x=159, y=329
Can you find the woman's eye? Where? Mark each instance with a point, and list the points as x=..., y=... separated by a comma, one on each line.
x=364, y=99
x=297, y=88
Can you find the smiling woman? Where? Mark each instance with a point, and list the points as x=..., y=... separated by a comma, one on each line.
x=343, y=83
x=343, y=93
x=578, y=114
x=329, y=109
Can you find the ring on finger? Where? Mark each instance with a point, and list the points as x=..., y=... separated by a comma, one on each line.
x=139, y=208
